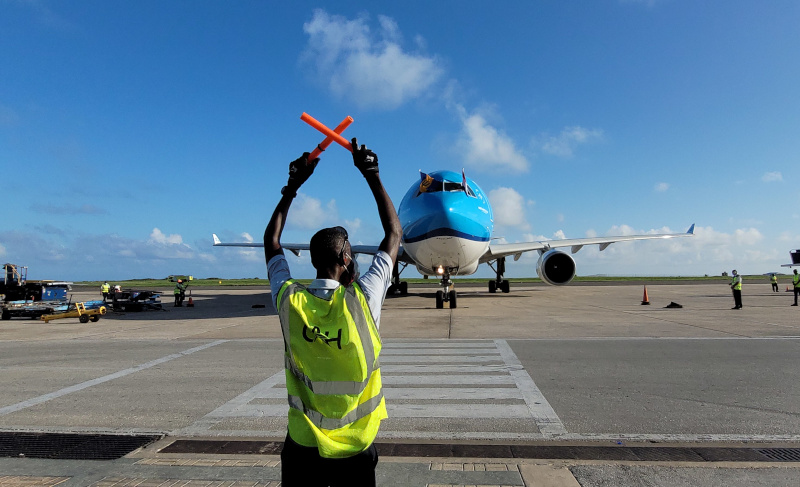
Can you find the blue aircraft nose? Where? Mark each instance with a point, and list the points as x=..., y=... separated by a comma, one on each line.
x=445, y=215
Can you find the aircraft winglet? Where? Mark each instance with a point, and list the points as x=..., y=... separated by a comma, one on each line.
x=691, y=230
x=217, y=241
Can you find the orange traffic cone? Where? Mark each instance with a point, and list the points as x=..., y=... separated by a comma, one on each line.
x=787, y=289
x=190, y=304
x=645, y=299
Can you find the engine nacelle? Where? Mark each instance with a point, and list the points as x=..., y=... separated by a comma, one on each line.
x=556, y=268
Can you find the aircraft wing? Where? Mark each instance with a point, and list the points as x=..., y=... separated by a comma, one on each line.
x=496, y=251
x=296, y=248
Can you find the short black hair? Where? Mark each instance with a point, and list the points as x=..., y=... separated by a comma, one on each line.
x=326, y=245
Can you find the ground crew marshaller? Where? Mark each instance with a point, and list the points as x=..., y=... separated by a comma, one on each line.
x=179, y=293
x=796, y=282
x=331, y=341
x=774, y=281
x=736, y=286
x=105, y=288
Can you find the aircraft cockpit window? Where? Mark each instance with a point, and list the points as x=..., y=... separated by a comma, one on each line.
x=452, y=187
x=433, y=186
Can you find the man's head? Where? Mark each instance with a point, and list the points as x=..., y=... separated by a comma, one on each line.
x=795, y=271
x=734, y=272
x=331, y=254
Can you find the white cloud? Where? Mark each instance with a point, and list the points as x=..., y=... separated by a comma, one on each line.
x=352, y=226
x=564, y=144
x=508, y=208
x=2, y=251
x=372, y=73
x=708, y=252
x=771, y=177
x=485, y=147
x=661, y=187
x=309, y=213
x=157, y=236
x=248, y=253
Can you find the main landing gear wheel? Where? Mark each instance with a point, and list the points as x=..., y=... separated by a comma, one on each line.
x=398, y=286
x=499, y=283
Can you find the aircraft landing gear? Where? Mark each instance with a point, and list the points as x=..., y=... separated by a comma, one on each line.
x=447, y=295
x=398, y=286
x=499, y=283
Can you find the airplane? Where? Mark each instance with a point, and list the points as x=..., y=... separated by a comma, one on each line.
x=447, y=225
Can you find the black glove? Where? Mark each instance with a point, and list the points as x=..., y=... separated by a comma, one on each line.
x=365, y=160
x=300, y=170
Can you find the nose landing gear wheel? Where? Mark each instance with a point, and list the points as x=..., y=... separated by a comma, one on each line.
x=439, y=299
x=452, y=296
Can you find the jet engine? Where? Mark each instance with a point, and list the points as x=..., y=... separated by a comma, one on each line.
x=555, y=268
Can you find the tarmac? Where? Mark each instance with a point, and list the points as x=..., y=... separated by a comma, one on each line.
x=544, y=386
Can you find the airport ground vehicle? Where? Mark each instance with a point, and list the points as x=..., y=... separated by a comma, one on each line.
x=80, y=311
x=135, y=300
x=30, y=299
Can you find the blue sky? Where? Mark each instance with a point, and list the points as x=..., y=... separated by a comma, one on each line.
x=132, y=130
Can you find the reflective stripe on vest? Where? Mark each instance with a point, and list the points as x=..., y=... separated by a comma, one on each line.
x=332, y=387
x=321, y=421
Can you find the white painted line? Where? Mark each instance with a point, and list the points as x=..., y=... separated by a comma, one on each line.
x=466, y=410
x=433, y=343
x=546, y=418
x=439, y=359
x=455, y=380
x=470, y=393
x=480, y=411
x=89, y=383
x=446, y=369
x=238, y=407
x=438, y=351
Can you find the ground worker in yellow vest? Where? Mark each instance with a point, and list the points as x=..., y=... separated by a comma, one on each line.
x=179, y=291
x=736, y=287
x=331, y=341
x=796, y=282
x=774, y=280
x=105, y=288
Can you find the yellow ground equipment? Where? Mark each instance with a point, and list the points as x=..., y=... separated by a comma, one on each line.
x=80, y=312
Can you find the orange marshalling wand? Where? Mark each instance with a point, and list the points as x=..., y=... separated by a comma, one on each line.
x=332, y=135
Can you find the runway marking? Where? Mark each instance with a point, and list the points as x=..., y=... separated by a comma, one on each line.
x=422, y=379
x=546, y=418
x=89, y=383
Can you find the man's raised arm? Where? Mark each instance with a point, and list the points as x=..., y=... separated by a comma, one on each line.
x=367, y=162
x=299, y=172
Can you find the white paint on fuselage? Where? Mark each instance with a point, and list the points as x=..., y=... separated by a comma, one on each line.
x=460, y=255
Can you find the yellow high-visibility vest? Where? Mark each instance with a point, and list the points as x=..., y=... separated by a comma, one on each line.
x=796, y=280
x=774, y=278
x=104, y=288
x=737, y=283
x=333, y=376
